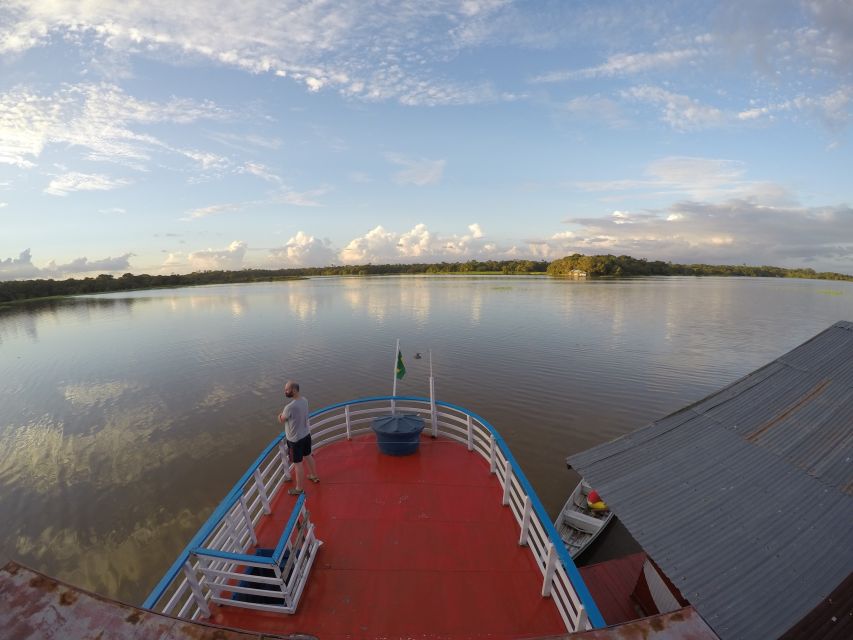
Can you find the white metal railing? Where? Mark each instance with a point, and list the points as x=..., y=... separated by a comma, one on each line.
x=561, y=579
x=230, y=529
x=285, y=570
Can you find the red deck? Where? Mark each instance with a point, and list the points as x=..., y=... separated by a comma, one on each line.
x=414, y=546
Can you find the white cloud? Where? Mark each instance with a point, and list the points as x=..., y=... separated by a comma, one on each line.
x=303, y=250
x=681, y=112
x=754, y=113
x=369, y=50
x=817, y=42
x=216, y=259
x=22, y=267
x=245, y=142
x=834, y=38
x=833, y=109
x=68, y=182
x=3, y=204
x=84, y=265
x=259, y=170
x=173, y=260
x=418, y=171
x=415, y=243
x=698, y=178
x=418, y=244
x=730, y=232
x=367, y=248
x=293, y=198
x=206, y=161
x=203, y=212
x=100, y=119
x=282, y=195
x=623, y=64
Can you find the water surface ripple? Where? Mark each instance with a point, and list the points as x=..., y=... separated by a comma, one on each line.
x=125, y=418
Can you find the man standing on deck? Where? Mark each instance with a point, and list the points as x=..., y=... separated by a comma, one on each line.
x=295, y=420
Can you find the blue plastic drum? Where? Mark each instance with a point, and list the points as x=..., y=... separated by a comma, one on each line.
x=399, y=434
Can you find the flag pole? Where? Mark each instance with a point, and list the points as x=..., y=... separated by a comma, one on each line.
x=432, y=410
x=394, y=375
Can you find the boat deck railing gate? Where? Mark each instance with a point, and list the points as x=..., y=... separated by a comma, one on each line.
x=209, y=568
x=275, y=581
x=561, y=579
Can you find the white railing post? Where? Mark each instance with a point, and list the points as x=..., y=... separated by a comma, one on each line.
x=550, y=567
x=525, y=522
x=433, y=411
x=248, y=517
x=507, y=482
x=493, y=458
x=198, y=596
x=233, y=533
x=262, y=491
x=583, y=619
x=349, y=423
x=285, y=458
x=394, y=387
x=281, y=585
x=470, y=434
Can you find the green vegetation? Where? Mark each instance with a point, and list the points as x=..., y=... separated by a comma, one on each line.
x=601, y=265
x=16, y=290
x=608, y=265
x=471, y=267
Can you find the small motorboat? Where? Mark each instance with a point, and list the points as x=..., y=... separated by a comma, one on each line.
x=582, y=518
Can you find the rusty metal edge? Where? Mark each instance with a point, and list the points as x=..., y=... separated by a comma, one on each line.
x=114, y=611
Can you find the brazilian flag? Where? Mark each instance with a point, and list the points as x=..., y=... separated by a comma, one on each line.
x=401, y=368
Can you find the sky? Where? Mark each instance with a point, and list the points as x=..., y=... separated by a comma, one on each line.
x=168, y=137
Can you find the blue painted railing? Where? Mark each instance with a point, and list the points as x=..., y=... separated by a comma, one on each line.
x=279, y=548
x=282, y=542
x=592, y=612
x=595, y=617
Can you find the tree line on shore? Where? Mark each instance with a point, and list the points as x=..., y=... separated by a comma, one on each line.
x=594, y=266
x=609, y=265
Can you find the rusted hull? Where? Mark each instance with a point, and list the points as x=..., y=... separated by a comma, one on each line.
x=36, y=606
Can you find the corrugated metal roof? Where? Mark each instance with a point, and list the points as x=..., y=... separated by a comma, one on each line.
x=831, y=620
x=745, y=499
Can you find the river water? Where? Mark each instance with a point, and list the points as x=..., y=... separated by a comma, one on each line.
x=125, y=418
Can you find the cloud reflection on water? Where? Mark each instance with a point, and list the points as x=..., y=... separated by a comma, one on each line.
x=34, y=316
x=378, y=297
x=97, y=393
x=112, y=562
x=301, y=305
x=218, y=397
x=42, y=454
x=122, y=425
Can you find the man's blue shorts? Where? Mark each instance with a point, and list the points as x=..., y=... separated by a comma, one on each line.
x=299, y=449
